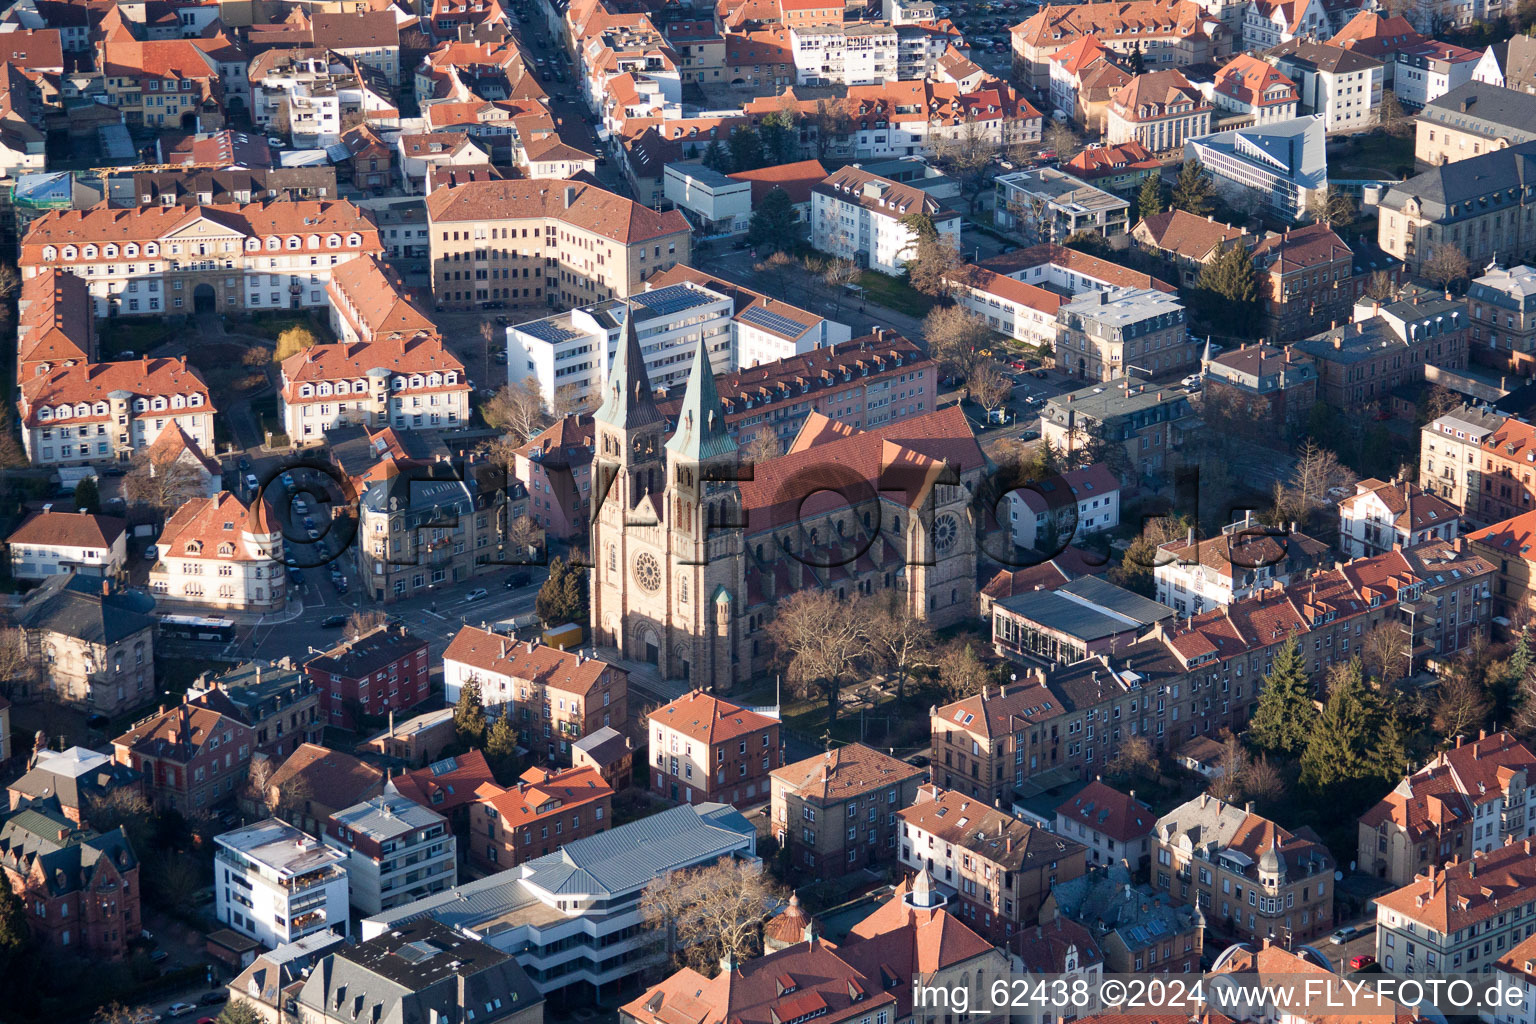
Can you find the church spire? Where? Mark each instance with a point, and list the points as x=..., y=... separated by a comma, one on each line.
x=701, y=430
x=628, y=400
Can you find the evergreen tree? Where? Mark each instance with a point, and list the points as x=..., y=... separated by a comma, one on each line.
x=1194, y=193
x=1285, y=716
x=1338, y=747
x=746, y=149
x=562, y=598
x=780, y=143
x=88, y=496
x=1229, y=289
x=1149, y=201
x=1388, y=756
x=773, y=227
x=15, y=936
x=469, y=715
x=1138, y=61
x=716, y=158
x=501, y=748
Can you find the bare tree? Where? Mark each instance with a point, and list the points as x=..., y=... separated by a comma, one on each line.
x=571, y=400
x=1391, y=117
x=1446, y=265
x=900, y=641
x=1332, y=207
x=518, y=409
x=821, y=640
x=1316, y=470
x=840, y=273
x=1384, y=652
x=17, y=671
x=524, y=535
x=961, y=671
x=501, y=451
x=711, y=913
x=1134, y=760
x=364, y=620
x=10, y=282
x=117, y=1013
x=763, y=446
x=1263, y=781
x=1463, y=704
x=1232, y=768
x=1061, y=139
x=259, y=776
x=1381, y=287
x=955, y=334
x=164, y=483
x=989, y=385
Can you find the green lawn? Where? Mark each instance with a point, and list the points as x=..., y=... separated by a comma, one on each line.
x=895, y=293
x=270, y=325
x=137, y=335
x=1372, y=156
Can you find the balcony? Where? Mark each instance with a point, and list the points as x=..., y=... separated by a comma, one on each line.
x=311, y=880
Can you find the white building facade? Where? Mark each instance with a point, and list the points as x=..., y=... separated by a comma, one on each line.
x=275, y=883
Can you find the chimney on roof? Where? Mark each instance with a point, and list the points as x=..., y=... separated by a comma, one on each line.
x=570, y=195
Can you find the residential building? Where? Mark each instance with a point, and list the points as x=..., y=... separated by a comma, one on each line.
x=1085, y=76
x=1149, y=421
x=1378, y=35
x=1048, y=206
x=277, y=884
x=273, y=978
x=861, y=216
x=419, y=739
x=1503, y=306
x=1341, y=86
x=1454, y=608
x=416, y=970
x=1472, y=119
x=609, y=753
x=1305, y=277
x=449, y=786
x=1444, y=919
x=174, y=451
x=1390, y=344
x=796, y=179
x=1175, y=34
x=53, y=543
x=272, y=697
x=555, y=467
x=1115, y=827
x=836, y=812
x=418, y=155
x=705, y=749
x=1250, y=86
x=160, y=82
x=1104, y=334
x=315, y=782
x=603, y=246
x=1278, y=165
x=53, y=323
x=153, y=260
x=1520, y=65
x=1267, y=23
x=78, y=890
x=1060, y=510
x=1121, y=169
x=1069, y=623
x=74, y=778
x=1507, y=545
x=1462, y=204
x=1247, y=559
x=573, y=918
x=1451, y=456
x=1381, y=516
x=555, y=697
x=1138, y=928
x=369, y=38
x=93, y=646
x=378, y=672
x=1470, y=799
x=542, y=812
x=995, y=869
x=1430, y=69
x=220, y=553
x=1249, y=876
x=718, y=205
x=399, y=380
x=368, y=301
x=190, y=757
x=865, y=383
x=1188, y=242
x=1272, y=388
x=1018, y=309
x=83, y=413
x=765, y=328
x=397, y=851
x=317, y=89
x=1158, y=109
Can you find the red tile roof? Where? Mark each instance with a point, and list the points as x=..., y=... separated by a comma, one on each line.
x=843, y=774
x=575, y=203
x=709, y=719
x=541, y=793
x=218, y=528
x=1109, y=812
x=1467, y=892
x=69, y=529
x=92, y=383
x=796, y=179
x=539, y=663
x=446, y=784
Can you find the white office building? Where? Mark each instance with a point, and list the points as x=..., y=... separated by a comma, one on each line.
x=275, y=883
x=1277, y=165
x=397, y=851
x=864, y=217
x=714, y=204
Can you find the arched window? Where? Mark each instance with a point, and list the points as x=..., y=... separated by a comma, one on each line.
x=306, y=391
x=333, y=241
x=151, y=249
x=131, y=249
x=312, y=242
x=682, y=589
x=274, y=243
x=354, y=240
x=89, y=252
x=293, y=241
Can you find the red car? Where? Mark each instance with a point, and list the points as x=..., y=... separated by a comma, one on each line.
x=1361, y=961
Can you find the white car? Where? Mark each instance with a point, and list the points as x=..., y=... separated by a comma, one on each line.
x=179, y=1009
x=475, y=595
x=1192, y=381
x=151, y=553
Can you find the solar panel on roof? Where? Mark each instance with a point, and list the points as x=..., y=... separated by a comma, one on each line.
x=671, y=299
x=443, y=767
x=548, y=330
x=769, y=320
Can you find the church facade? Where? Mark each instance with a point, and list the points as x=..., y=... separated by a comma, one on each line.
x=692, y=548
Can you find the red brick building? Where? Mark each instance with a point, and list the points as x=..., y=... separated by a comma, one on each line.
x=1509, y=474
x=191, y=757
x=374, y=673
x=707, y=749
x=542, y=813
x=80, y=889
x=1305, y=278
x=837, y=811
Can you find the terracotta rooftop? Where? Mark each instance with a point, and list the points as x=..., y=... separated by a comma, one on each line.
x=843, y=774
x=1106, y=810
x=539, y=663
x=68, y=529
x=709, y=719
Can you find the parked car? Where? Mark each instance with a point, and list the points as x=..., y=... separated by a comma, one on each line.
x=333, y=622
x=159, y=956
x=151, y=553
x=516, y=580
x=97, y=720
x=1037, y=373
x=251, y=483
x=1343, y=935
x=296, y=576
x=215, y=997
x=1361, y=962
x=288, y=481
x=1030, y=435
x=179, y=1009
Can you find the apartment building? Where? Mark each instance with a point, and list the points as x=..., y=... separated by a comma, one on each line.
x=705, y=749
x=1250, y=86
x=1278, y=165
x=862, y=53
x=1343, y=86
x=861, y=216
x=542, y=812
x=276, y=884
x=319, y=782
x=1016, y=308
x=83, y=413
x=1381, y=516
x=272, y=697
x=1048, y=206
x=1085, y=75
x=1478, y=204
x=368, y=300
x=161, y=82
x=1451, y=456
x=765, y=328
x=405, y=381
x=1470, y=799
x=152, y=260
x=1188, y=242
x=1460, y=917
x=1115, y=827
x=1047, y=514
x=397, y=851
x=1472, y=119
x=317, y=90
x=1147, y=420
x=555, y=467
x=1506, y=471
x=220, y=553
x=555, y=697
x=572, y=919
x=836, y=812
x=1158, y=109
x=1137, y=928
x=995, y=869
x=96, y=644
x=190, y=757
x=1249, y=876
x=1507, y=545
x=1102, y=335
x=1167, y=34
x=377, y=672
x=74, y=778
x=1247, y=559
x=1120, y=169
x=1428, y=70
x=1268, y=386
x=1305, y=277
x=1387, y=345
x=1503, y=305
x=53, y=323
x=53, y=543
x=1268, y=23
x=563, y=243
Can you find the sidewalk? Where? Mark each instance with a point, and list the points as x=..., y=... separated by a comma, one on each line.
x=645, y=676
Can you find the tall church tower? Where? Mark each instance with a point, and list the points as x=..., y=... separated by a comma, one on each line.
x=706, y=536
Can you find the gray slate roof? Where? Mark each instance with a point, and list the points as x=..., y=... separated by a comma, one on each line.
x=387, y=816
x=1498, y=178
x=1485, y=110
x=75, y=606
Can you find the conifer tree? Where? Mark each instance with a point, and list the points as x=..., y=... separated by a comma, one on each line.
x=1149, y=201
x=469, y=714
x=501, y=748
x=1389, y=755
x=1285, y=716
x=1194, y=193
x=1338, y=746
x=1229, y=287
